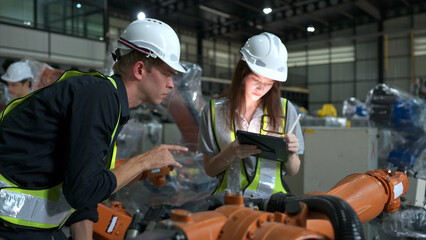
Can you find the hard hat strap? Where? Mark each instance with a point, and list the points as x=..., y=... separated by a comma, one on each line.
x=135, y=47
x=116, y=55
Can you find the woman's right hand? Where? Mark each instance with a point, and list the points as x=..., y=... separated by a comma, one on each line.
x=232, y=152
x=243, y=150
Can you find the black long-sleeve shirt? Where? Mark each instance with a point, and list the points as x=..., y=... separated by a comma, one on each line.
x=62, y=134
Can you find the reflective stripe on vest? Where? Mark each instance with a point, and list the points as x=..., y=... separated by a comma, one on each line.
x=236, y=168
x=267, y=179
x=45, y=208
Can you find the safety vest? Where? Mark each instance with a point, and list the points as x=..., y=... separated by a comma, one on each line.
x=41, y=208
x=267, y=179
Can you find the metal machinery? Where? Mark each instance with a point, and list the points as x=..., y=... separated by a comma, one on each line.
x=347, y=149
x=185, y=103
x=336, y=214
x=114, y=216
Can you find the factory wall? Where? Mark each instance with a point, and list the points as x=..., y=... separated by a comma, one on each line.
x=329, y=68
x=18, y=42
x=343, y=64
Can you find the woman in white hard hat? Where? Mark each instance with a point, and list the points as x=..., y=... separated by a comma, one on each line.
x=18, y=77
x=252, y=103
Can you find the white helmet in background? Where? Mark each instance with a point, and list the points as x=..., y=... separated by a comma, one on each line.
x=18, y=71
x=266, y=55
x=154, y=38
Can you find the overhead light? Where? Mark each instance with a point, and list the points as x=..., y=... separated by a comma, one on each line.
x=267, y=10
x=214, y=11
x=141, y=16
x=78, y=5
x=310, y=29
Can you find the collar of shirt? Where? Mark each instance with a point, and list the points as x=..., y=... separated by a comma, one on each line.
x=122, y=97
x=254, y=124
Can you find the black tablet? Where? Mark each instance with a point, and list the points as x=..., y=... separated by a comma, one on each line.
x=273, y=148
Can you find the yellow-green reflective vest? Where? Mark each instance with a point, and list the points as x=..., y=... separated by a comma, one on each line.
x=267, y=179
x=42, y=208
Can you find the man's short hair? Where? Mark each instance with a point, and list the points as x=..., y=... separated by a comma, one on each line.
x=29, y=80
x=121, y=66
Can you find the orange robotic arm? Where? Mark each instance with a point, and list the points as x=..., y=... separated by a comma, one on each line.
x=113, y=219
x=336, y=214
x=157, y=176
x=369, y=194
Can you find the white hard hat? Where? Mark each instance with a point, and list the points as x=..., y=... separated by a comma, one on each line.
x=18, y=71
x=155, y=36
x=266, y=55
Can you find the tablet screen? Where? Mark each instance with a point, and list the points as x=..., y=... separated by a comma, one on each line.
x=273, y=148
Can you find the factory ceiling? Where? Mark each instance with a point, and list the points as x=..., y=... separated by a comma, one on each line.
x=239, y=19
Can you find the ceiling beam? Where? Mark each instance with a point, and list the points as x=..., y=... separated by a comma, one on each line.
x=246, y=5
x=344, y=13
x=283, y=2
x=167, y=2
x=276, y=16
x=318, y=19
x=369, y=8
x=214, y=11
x=173, y=6
x=406, y=3
x=295, y=25
x=302, y=3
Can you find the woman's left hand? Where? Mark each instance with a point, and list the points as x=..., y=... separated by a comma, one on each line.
x=292, y=143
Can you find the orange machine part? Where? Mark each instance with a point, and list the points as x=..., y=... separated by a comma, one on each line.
x=47, y=77
x=244, y=222
x=320, y=223
x=205, y=226
x=157, y=176
x=274, y=230
x=368, y=194
x=371, y=193
x=234, y=221
x=183, y=119
x=113, y=219
x=113, y=222
x=234, y=199
x=396, y=185
x=298, y=219
x=239, y=222
x=367, y=203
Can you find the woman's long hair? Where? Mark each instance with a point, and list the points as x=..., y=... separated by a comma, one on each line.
x=236, y=96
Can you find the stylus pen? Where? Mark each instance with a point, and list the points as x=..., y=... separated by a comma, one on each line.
x=294, y=124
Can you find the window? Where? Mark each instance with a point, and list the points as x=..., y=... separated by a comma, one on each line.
x=78, y=18
x=419, y=45
x=20, y=12
x=318, y=56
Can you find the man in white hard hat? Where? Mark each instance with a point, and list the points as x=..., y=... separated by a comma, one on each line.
x=18, y=77
x=58, y=144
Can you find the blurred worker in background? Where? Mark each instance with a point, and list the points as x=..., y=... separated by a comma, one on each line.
x=58, y=144
x=252, y=103
x=18, y=77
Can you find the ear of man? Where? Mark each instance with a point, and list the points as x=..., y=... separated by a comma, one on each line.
x=139, y=69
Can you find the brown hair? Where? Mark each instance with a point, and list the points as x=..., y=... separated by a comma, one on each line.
x=120, y=67
x=235, y=94
x=26, y=80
